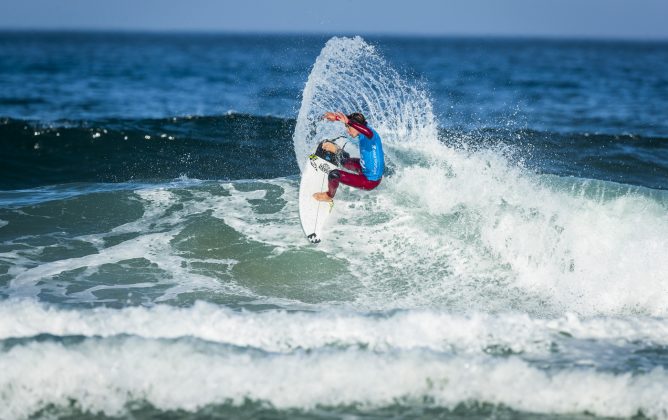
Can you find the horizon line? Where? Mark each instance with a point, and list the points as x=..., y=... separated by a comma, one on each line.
x=167, y=31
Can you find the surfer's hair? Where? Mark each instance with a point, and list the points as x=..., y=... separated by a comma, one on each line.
x=357, y=117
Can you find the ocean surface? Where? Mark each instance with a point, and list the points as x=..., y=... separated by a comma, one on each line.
x=513, y=263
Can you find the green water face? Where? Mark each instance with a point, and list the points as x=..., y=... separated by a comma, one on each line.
x=123, y=248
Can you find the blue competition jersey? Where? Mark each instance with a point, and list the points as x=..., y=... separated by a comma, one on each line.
x=371, y=156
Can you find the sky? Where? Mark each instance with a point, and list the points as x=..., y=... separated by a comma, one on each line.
x=618, y=19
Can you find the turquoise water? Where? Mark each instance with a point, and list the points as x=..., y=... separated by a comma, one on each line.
x=510, y=265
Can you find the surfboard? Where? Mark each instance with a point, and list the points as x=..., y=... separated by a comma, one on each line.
x=314, y=213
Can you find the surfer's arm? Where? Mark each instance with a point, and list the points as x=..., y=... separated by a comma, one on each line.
x=340, y=116
x=361, y=128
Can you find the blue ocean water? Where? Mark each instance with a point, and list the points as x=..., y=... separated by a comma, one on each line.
x=512, y=264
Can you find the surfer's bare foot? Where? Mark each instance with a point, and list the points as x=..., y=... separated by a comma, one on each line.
x=322, y=196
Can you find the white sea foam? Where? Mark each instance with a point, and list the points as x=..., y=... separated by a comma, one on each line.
x=104, y=375
x=475, y=228
x=281, y=331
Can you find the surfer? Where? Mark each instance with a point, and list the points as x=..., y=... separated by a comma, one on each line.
x=367, y=171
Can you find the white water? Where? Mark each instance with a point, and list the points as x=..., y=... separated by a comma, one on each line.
x=188, y=358
x=104, y=375
x=285, y=332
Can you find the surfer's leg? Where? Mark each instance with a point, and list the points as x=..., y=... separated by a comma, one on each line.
x=362, y=182
x=334, y=178
x=353, y=164
x=353, y=180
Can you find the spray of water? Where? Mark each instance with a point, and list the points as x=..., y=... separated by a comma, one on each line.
x=350, y=76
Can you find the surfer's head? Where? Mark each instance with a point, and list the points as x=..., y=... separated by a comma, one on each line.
x=358, y=118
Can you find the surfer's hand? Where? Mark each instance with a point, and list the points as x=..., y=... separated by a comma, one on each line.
x=330, y=116
x=330, y=147
x=341, y=117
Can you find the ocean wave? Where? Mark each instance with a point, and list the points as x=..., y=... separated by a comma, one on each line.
x=221, y=147
x=119, y=150
x=279, y=331
x=623, y=158
x=500, y=241
x=106, y=375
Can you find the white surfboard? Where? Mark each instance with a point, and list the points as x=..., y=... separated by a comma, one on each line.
x=314, y=213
